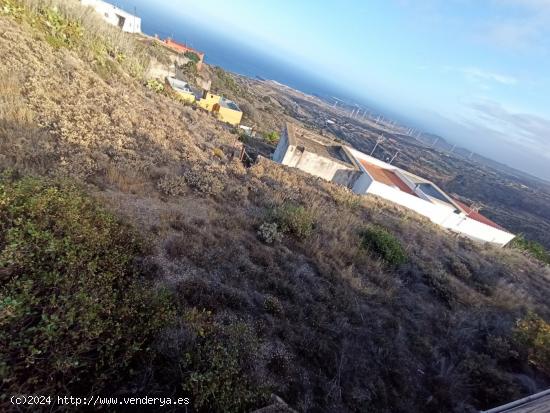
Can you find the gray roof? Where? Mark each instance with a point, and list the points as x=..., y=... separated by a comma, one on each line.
x=317, y=144
x=179, y=85
x=229, y=104
x=536, y=403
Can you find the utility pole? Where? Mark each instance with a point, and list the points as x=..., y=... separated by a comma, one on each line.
x=378, y=141
x=394, y=156
x=435, y=141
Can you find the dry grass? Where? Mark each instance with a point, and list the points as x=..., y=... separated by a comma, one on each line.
x=337, y=328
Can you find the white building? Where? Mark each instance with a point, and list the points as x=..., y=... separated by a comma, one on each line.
x=364, y=174
x=115, y=16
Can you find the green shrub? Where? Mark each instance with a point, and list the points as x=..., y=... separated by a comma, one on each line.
x=155, y=85
x=272, y=137
x=273, y=305
x=192, y=57
x=73, y=314
x=294, y=219
x=384, y=244
x=218, y=366
x=61, y=32
x=532, y=247
x=533, y=333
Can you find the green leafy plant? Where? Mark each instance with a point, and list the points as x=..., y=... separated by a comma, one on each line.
x=531, y=247
x=294, y=219
x=217, y=367
x=271, y=137
x=384, y=244
x=74, y=315
x=60, y=31
x=192, y=56
x=155, y=85
x=533, y=333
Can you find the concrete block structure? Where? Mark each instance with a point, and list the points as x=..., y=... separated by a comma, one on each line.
x=365, y=175
x=316, y=155
x=127, y=22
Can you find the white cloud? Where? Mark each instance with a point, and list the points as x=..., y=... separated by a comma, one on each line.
x=523, y=129
x=524, y=27
x=480, y=74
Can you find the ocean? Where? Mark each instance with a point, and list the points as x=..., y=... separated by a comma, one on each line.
x=225, y=51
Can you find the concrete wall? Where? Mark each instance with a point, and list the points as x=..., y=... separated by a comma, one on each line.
x=314, y=164
x=111, y=13
x=281, y=149
x=362, y=184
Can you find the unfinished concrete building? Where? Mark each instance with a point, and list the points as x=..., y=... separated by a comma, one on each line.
x=316, y=155
x=364, y=174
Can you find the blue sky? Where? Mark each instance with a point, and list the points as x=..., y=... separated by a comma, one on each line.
x=475, y=71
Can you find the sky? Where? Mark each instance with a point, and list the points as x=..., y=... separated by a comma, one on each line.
x=476, y=72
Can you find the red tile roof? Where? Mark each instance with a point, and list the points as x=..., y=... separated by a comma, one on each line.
x=182, y=48
x=477, y=216
x=387, y=177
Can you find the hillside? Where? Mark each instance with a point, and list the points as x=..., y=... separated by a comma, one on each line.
x=139, y=256
x=511, y=198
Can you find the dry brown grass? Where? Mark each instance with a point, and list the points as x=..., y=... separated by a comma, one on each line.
x=339, y=329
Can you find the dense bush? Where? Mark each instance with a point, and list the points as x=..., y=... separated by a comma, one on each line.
x=532, y=247
x=272, y=137
x=294, y=219
x=192, y=57
x=384, y=244
x=217, y=365
x=74, y=317
x=533, y=333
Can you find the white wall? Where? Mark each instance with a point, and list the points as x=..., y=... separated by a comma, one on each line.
x=110, y=13
x=483, y=232
x=438, y=214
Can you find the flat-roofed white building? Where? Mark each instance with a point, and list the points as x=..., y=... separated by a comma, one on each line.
x=365, y=175
x=115, y=16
